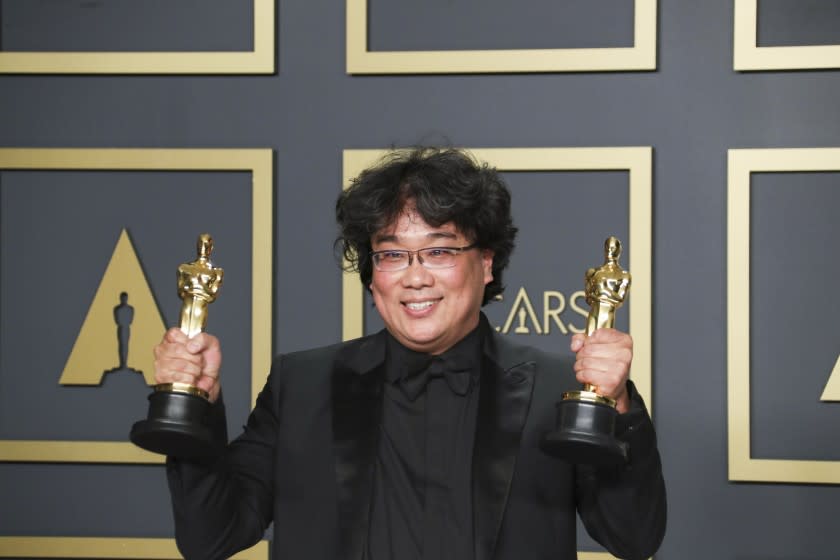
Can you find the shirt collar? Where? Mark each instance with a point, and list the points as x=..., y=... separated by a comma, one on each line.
x=402, y=361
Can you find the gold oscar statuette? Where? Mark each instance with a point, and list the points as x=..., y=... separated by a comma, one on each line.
x=585, y=426
x=175, y=424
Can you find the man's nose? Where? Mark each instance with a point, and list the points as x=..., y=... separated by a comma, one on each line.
x=416, y=274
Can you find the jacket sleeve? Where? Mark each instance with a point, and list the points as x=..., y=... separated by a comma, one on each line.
x=624, y=508
x=224, y=504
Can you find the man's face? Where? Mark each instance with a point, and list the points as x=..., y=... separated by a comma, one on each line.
x=429, y=310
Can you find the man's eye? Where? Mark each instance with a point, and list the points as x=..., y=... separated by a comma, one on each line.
x=391, y=255
x=438, y=252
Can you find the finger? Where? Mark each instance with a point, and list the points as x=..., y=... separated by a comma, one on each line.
x=605, y=383
x=608, y=354
x=176, y=351
x=603, y=365
x=175, y=335
x=608, y=335
x=172, y=370
x=577, y=342
x=599, y=375
x=201, y=342
x=174, y=362
x=617, y=361
x=210, y=385
x=604, y=358
x=614, y=345
x=598, y=368
x=206, y=348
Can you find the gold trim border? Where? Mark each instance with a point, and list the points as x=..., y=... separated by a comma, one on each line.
x=256, y=161
x=748, y=56
x=641, y=56
x=107, y=547
x=638, y=161
x=258, y=61
x=743, y=162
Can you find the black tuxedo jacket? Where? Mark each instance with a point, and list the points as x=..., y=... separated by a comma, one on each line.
x=305, y=462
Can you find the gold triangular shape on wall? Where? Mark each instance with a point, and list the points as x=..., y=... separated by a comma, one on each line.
x=521, y=311
x=832, y=388
x=96, y=350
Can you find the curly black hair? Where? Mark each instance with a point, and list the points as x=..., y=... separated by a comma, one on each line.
x=443, y=185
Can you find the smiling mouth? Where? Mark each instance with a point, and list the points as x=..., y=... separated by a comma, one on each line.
x=419, y=306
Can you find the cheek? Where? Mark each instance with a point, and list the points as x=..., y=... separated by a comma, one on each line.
x=378, y=289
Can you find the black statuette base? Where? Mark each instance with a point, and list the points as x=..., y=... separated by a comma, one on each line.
x=585, y=434
x=175, y=426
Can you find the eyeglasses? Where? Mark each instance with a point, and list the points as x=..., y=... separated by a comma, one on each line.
x=391, y=260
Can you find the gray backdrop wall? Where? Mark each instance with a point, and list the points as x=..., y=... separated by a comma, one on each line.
x=58, y=228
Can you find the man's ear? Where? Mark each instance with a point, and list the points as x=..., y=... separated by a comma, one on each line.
x=487, y=264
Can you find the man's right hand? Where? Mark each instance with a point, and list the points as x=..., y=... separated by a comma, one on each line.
x=195, y=361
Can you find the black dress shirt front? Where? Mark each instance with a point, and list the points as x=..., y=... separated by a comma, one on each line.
x=421, y=508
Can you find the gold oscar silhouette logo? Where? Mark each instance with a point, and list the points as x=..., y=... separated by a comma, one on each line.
x=522, y=310
x=832, y=388
x=122, y=324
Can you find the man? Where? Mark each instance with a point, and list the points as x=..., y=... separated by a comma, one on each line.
x=420, y=441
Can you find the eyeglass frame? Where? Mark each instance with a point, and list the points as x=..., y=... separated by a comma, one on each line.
x=458, y=251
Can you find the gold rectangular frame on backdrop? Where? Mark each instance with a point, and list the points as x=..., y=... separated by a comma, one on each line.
x=637, y=161
x=747, y=55
x=742, y=163
x=641, y=56
x=256, y=161
x=258, y=61
x=107, y=547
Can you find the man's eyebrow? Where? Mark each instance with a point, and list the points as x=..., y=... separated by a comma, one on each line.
x=441, y=235
x=385, y=238
x=392, y=238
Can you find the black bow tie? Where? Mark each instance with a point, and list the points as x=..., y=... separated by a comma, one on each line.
x=457, y=377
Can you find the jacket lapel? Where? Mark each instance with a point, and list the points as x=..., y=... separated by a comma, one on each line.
x=357, y=385
x=504, y=399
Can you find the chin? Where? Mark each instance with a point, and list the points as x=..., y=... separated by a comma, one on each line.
x=422, y=342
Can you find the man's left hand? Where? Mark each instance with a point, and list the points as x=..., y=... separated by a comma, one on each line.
x=603, y=360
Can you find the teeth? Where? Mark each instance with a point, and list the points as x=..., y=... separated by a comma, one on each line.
x=419, y=306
